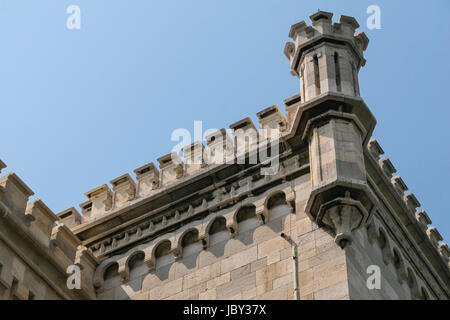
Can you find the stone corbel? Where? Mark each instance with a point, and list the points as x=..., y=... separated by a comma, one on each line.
x=444, y=251
x=261, y=212
x=124, y=270
x=387, y=167
x=343, y=215
x=150, y=262
x=204, y=240
x=375, y=149
x=290, y=198
x=411, y=201
x=434, y=236
x=423, y=218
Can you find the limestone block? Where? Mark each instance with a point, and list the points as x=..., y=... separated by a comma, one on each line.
x=208, y=295
x=271, y=122
x=258, y=264
x=220, y=148
x=167, y=290
x=235, y=287
x=2, y=166
x=333, y=292
x=171, y=168
x=14, y=194
x=423, y=218
x=194, y=157
x=70, y=217
x=375, y=149
x=387, y=167
x=411, y=201
x=201, y=275
x=284, y=280
x=43, y=220
x=100, y=201
x=399, y=185
x=215, y=282
x=280, y=293
x=245, y=136
x=444, y=251
x=65, y=241
x=239, y=259
x=124, y=189
x=434, y=235
x=270, y=246
x=147, y=178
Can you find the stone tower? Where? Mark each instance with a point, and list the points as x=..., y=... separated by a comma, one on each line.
x=329, y=217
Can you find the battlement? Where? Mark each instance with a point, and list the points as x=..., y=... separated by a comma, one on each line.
x=326, y=56
x=197, y=159
x=26, y=226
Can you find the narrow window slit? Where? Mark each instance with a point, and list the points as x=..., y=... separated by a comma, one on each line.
x=337, y=70
x=316, y=74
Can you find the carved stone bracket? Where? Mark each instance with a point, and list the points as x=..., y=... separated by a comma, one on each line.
x=343, y=215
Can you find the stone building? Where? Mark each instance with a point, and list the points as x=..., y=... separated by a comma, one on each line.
x=316, y=228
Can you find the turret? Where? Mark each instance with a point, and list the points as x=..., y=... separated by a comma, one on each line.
x=326, y=56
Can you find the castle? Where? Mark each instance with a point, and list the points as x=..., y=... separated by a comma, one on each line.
x=330, y=217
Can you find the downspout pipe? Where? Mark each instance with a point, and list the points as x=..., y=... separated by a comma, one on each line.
x=294, y=247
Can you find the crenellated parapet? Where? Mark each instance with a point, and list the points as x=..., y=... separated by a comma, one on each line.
x=412, y=216
x=326, y=56
x=40, y=245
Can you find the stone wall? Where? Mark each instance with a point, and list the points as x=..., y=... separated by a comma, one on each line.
x=257, y=263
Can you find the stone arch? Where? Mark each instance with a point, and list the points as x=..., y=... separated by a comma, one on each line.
x=218, y=224
x=412, y=284
x=274, y=201
x=111, y=270
x=245, y=218
x=424, y=294
x=189, y=237
x=134, y=261
x=383, y=242
x=399, y=265
x=214, y=227
x=100, y=274
x=245, y=212
x=162, y=248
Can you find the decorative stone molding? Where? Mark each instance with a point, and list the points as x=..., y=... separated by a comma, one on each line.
x=14, y=194
x=342, y=215
x=124, y=189
x=100, y=201
x=147, y=178
x=171, y=218
x=42, y=217
x=70, y=217
x=245, y=135
x=434, y=236
x=375, y=149
x=399, y=185
x=445, y=252
x=387, y=167
x=2, y=166
x=220, y=147
x=171, y=168
x=411, y=201
x=423, y=219
x=194, y=157
x=271, y=118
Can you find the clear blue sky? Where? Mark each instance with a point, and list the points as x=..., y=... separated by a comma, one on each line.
x=81, y=107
